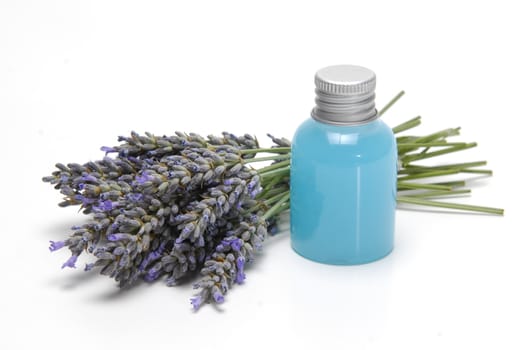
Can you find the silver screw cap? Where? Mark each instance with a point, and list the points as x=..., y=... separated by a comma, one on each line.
x=345, y=95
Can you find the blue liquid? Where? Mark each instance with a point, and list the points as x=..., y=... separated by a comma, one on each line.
x=343, y=192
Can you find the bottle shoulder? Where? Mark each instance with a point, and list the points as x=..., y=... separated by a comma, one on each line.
x=376, y=134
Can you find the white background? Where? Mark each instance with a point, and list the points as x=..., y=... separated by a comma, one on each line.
x=76, y=74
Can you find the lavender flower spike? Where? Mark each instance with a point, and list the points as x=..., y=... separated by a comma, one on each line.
x=56, y=245
x=70, y=262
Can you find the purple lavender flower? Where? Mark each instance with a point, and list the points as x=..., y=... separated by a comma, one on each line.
x=193, y=167
x=89, y=267
x=236, y=244
x=253, y=188
x=152, y=275
x=200, y=242
x=152, y=256
x=240, y=263
x=218, y=297
x=256, y=242
x=255, y=191
x=80, y=198
x=104, y=206
x=142, y=178
x=184, y=217
x=171, y=281
x=188, y=229
x=108, y=149
x=89, y=178
x=240, y=276
x=206, y=215
x=108, y=205
x=239, y=204
x=196, y=302
x=135, y=197
x=114, y=237
x=56, y=245
x=70, y=262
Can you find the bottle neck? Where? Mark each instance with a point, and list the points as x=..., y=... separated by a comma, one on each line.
x=344, y=109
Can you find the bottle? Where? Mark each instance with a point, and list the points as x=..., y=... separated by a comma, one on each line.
x=343, y=173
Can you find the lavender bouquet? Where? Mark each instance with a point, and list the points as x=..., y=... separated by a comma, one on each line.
x=168, y=207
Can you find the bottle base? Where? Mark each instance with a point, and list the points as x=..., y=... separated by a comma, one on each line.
x=344, y=262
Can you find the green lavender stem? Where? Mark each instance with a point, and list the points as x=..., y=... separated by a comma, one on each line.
x=264, y=159
x=274, y=166
x=430, y=144
x=277, y=208
x=276, y=172
x=466, y=207
x=417, y=186
x=409, y=124
x=391, y=103
x=270, y=185
x=266, y=150
x=419, y=168
x=452, y=184
x=414, y=157
x=275, y=198
x=442, y=134
x=428, y=194
x=428, y=174
x=477, y=171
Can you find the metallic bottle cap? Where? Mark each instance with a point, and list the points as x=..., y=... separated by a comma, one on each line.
x=345, y=95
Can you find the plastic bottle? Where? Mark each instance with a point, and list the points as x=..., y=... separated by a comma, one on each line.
x=343, y=173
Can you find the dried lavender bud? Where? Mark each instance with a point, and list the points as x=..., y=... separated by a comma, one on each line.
x=70, y=262
x=56, y=245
